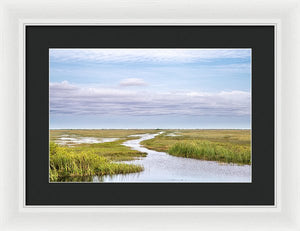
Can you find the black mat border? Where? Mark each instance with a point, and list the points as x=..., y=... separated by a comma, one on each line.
x=40, y=38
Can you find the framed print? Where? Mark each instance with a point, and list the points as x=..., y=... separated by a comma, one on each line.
x=164, y=109
x=19, y=213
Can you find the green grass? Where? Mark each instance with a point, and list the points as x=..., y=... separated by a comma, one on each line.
x=66, y=163
x=75, y=161
x=207, y=150
x=230, y=146
x=113, y=151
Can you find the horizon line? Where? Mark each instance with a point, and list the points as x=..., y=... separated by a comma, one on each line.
x=148, y=128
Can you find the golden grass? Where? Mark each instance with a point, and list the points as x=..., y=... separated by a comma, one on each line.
x=98, y=133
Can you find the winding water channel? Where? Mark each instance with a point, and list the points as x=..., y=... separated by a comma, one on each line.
x=162, y=167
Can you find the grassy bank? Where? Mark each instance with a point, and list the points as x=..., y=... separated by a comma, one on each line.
x=71, y=161
x=113, y=151
x=66, y=163
x=206, y=150
x=230, y=146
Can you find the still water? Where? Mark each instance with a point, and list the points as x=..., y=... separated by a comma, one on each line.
x=162, y=167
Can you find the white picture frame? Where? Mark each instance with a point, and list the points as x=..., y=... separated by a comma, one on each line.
x=284, y=15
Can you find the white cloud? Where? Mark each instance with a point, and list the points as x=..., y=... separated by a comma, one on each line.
x=132, y=82
x=145, y=55
x=66, y=98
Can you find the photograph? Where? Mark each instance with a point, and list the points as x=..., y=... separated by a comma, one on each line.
x=150, y=115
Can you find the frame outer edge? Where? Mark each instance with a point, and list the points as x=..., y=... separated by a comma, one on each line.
x=22, y=75
x=18, y=225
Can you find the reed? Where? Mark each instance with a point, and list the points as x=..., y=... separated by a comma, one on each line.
x=66, y=163
x=229, y=153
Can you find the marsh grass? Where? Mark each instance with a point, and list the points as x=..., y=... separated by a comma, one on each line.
x=113, y=151
x=88, y=159
x=66, y=163
x=206, y=150
x=229, y=146
x=98, y=133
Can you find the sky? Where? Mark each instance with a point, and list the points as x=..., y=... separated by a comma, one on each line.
x=150, y=88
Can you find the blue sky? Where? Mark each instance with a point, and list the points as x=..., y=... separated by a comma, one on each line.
x=150, y=88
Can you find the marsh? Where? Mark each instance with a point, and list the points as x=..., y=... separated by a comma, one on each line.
x=131, y=158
